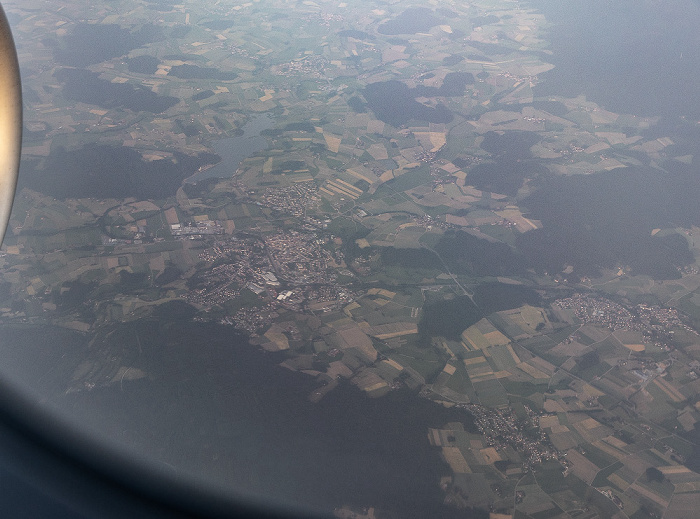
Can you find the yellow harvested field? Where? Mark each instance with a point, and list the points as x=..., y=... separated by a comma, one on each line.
x=480, y=377
x=438, y=140
x=375, y=386
x=393, y=364
x=171, y=216
x=609, y=449
x=596, y=148
x=474, y=360
x=338, y=368
x=455, y=459
x=687, y=487
x=360, y=176
x=589, y=423
x=675, y=469
x=532, y=316
x=349, y=186
x=381, y=292
x=145, y=205
x=475, y=339
x=349, y=308
x=490, y=455
x=278, y=339
x=549, y=421
x=615, y=442
x=635, y=347
x=267, y=166
x=449, y=369
x=496, y=338
x=324, y=190
x=532, y=371
x=355, y=337
x=456, y=220
x=386, y=176
x=332, y=142
x=77, y=325
x=378, y=152
x=522, y=224
x=516, y=359
x=340, y=189
x=390, y=330
x=339, y=192
x=617, y=137
x=400, y=333
x=369, y=381
x=669, y=390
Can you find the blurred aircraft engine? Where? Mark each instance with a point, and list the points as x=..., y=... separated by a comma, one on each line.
x=10, y=121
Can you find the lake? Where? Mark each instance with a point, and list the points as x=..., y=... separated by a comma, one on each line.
x=235, y=149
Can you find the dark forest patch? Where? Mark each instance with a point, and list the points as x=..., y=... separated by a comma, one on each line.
x=102, y=171
x=143, y=64
x=86, y=87
x=605, y=220
x=411, y=21
x=87, y=43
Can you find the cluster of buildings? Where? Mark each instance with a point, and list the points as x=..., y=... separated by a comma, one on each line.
x=428, y=156
x=656, y=323
x=245, y=264
x=299, y=259
x=287, y=269
x=502, y=429
x=591, y=309
x=253, y=319
x=294, y=199
x=327, y=297
x=310, y=66
x=197, y=229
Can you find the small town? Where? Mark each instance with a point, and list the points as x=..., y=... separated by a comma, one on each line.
x=266, y=266
x=501, y=428
x=653, y=321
